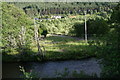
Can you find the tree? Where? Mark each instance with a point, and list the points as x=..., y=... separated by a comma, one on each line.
x=97, y=27
x=43, y=30
x=111, y=50
x=77, y=29
x=14, y=23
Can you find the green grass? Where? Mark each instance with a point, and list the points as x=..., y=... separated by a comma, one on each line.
x=56, y=48
x=61, y=48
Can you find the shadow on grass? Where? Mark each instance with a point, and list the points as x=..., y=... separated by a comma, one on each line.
x=59, y=39
x=27, y=56
x=74, y=52
x=66, y=50
x=69, y=48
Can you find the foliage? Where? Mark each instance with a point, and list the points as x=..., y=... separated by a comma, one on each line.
x=97, y=27
x=115, y=17
x=48, y=8
x=17, y=33
x=101, y=29
x=111, y=48
x=28, y=75
x=43, y=30
x=77, y=30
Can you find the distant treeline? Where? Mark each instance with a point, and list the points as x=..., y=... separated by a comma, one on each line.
x=47, y=8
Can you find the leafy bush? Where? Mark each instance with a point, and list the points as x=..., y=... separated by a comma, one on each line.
x=97, y=27
x=110, y=52
x=77, y=30
x=28, y=75
x=17, y=30
x=43, y=30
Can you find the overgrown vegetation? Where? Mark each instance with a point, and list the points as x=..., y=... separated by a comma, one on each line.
x=111, y=49
x=19, y=34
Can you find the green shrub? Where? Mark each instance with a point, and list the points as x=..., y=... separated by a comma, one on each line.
x=110, y=52
x=43, y=30
x=77, y=29
x=97, y=27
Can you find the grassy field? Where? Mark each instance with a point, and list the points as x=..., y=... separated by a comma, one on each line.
x=56, y=48
x=65, y=48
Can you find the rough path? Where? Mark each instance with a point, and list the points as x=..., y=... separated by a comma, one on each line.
x=48, y=69
x=65, y=36
x=77, y=38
